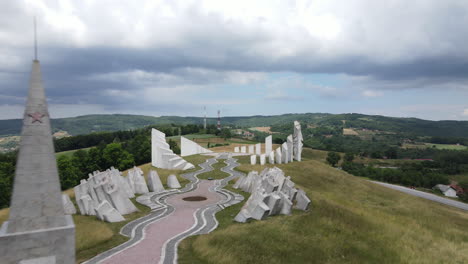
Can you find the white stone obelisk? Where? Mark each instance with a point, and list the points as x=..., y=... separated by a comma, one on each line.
x=258, y=149
x=297, y=141
x=290, y=148
x=37, y=228
x=268, y=145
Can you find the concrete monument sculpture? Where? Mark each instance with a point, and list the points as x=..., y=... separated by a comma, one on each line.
x=137, y=181
x=251, y=149
x=37, y=230
x=188, y=147
x=290, y=148
x=253, y=159
x=278, y=156
x=173, y=182
x=154, y=182
x=285, y=153
x=162, y=156
x=271, y=157
x=258, y=149
x=268, y=145
x=262, y=159
x=111, y=187
x=105, y=212
x=271, y=193
x=297, y=141
x=243, y=149
x=68, y=206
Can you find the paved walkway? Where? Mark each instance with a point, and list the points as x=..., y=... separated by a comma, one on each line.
x=158, y=232
x=425, y=195
x=154, y=238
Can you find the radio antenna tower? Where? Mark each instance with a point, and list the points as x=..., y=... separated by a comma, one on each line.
x=219, y=120
x=204, y=120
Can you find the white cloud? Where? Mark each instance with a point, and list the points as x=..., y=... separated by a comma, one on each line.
x=372, y=93
x=180, y=76
x=384, y=32
x=279, y=95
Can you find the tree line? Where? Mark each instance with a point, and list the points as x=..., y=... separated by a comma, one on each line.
x=424, y=174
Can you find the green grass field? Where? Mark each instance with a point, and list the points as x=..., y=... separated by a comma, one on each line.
x=446, y=146
x=204, y=139
x=437, y=146
x=350, y=221
x=69, y=153
x=216, y=173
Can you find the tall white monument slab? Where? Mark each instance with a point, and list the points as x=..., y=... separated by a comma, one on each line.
x=290, y=148
x=297, y=141
x=173, y=182
x=258, y=149
x=278, y=157
x=253, y=159
x=154, y=182
x=251, y=149
x=243, y=149
x=284, y=153
x=162, y=156
x=37, y=227
x=268, y=145
x=188, y=147
x=271, y=157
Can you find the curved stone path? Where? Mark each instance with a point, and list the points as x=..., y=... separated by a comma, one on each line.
x=154, y=238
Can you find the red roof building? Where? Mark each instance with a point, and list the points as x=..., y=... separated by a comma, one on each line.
x=457, y=188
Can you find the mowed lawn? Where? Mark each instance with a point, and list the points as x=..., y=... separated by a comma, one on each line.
x=350, y=221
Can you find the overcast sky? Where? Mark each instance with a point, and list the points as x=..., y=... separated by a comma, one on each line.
x=394, y=57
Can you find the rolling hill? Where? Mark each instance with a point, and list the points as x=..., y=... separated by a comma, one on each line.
x=96, y=123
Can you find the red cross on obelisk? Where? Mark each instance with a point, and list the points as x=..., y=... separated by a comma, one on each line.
x=36, y=117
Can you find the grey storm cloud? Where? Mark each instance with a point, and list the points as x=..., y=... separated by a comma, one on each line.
x=87, y=49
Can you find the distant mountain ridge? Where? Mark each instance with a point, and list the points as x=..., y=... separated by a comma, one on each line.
x=97, y=123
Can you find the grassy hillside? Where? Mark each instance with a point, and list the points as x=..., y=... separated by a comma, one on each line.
x=351, y=221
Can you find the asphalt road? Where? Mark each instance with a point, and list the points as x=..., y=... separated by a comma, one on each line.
x=425, y=195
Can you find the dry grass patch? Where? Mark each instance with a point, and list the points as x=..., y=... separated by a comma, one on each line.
x=350, y=132
x=231, y=147
x=4, y=215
